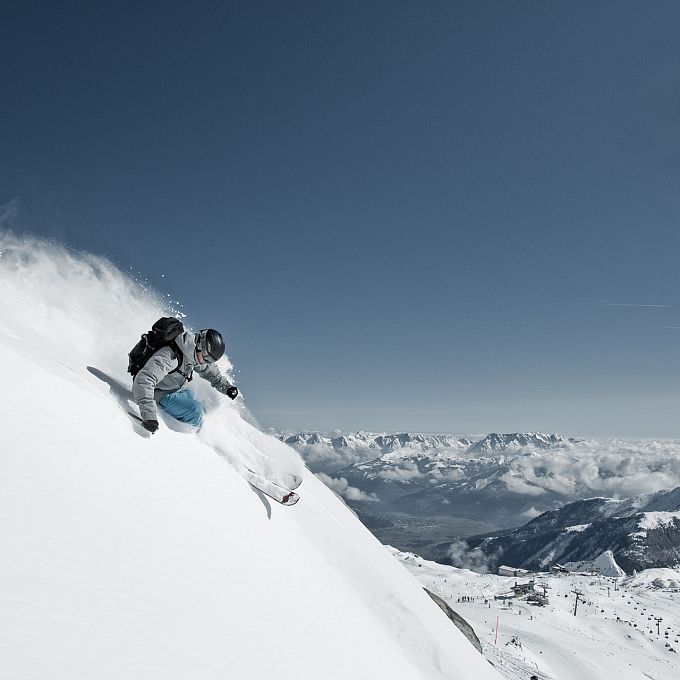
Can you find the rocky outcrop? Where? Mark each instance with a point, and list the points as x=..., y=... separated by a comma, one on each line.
x=463, y=626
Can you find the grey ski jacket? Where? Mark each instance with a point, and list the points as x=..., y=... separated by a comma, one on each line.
x=156, y=379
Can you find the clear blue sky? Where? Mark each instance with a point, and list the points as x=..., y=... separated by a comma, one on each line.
x=403, y=215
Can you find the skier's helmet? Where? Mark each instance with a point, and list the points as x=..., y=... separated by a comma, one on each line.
x=210, y=344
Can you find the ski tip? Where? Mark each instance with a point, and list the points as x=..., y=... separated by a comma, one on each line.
x=291, y=498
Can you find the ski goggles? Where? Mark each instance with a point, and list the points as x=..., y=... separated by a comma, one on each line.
x=201, y=346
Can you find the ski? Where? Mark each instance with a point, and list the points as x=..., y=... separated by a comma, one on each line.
x=281, y=494
x=278, y=493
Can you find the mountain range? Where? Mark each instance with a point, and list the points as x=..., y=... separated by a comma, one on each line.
x=641, y=532
x=421, y=491
x=359, y=443
x=472, y=483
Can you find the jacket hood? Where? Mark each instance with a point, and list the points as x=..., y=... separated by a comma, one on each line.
x=187, y=344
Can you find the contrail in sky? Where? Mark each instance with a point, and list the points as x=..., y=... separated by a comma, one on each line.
x=622, y=304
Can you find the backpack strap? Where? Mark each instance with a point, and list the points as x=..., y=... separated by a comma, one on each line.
x=180, y=357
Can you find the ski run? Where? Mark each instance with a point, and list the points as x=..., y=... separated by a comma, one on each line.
x=614, y=635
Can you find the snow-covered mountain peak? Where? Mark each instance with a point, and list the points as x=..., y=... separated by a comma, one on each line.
x=372, y=443
x=604, y=564
x=518, y=440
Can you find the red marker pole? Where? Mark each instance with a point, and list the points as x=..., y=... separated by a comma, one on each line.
x=496, y=640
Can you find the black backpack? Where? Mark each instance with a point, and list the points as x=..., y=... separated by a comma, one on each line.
x=162, y=334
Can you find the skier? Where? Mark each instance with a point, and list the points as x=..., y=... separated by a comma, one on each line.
x=165, y=374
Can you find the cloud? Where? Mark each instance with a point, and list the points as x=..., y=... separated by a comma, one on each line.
x=613, y=467
x=404, y=471
x=531, y=513
x=342, y=488
x=324, y=458
x=520, y=485
x=475, y=560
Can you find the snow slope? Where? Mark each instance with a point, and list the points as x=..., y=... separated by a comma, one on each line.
x=129, y=556
x=604, y=565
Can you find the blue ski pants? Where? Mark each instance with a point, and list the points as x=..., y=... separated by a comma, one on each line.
x=183, y=406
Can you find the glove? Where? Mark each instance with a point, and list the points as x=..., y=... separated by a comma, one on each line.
x=151, y=425
x=232, y=392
